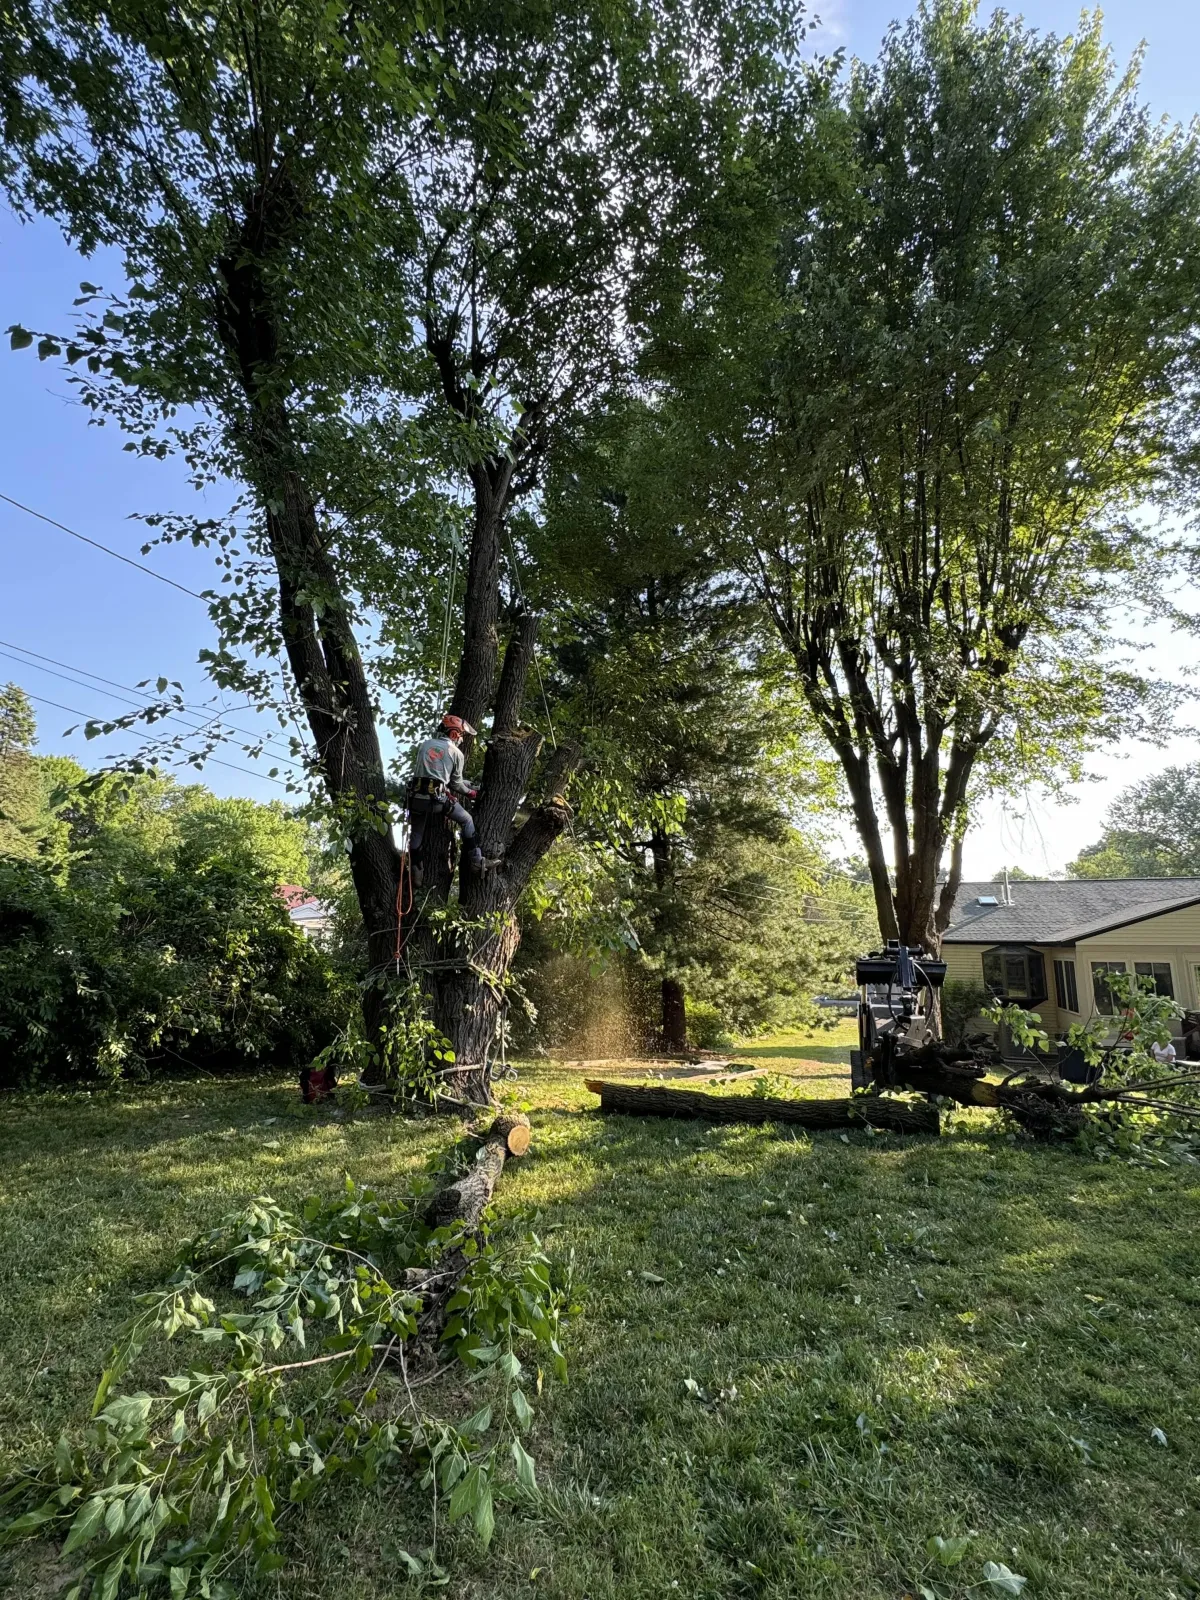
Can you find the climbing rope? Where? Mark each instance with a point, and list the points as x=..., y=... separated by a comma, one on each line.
x=446, y=618
x=404, y=904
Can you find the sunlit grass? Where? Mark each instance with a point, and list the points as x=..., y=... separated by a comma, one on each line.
x=890, y=1339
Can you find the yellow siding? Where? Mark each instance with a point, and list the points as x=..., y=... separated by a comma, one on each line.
x=964, y=963
x=1184, y=960
x=1170, y=928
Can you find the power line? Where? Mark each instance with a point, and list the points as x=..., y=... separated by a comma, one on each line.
x=203, y=728
x=83, y=672
x=216, y=760
x=96, y=545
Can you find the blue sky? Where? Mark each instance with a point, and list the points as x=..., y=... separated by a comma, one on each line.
x=71, y=603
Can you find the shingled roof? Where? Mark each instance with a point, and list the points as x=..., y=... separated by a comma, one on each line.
x=1062, y=910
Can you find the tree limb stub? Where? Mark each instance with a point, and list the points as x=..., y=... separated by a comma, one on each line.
x=896, y=1116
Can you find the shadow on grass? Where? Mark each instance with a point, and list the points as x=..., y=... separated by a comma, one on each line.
x=839, y=1053
x=951, y=1339
x=886, y=1340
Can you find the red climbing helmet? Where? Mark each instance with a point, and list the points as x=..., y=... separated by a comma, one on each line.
x=452, y=724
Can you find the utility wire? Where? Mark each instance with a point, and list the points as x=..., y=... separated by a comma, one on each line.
x=96, y=545
x=82, y=672
x=204, y=728
x=216, y=760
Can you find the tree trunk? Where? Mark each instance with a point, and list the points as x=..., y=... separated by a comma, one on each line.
x=320, y=645
x=674, y=1015
x=875, y=1111
x=463, y=960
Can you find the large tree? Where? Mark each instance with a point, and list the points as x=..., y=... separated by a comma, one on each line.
x=1152, y=830
x=374, y=251
x=21, y=785
x=696, y=772
x=946, y=358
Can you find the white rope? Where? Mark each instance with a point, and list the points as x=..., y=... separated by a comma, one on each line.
x=446, y=624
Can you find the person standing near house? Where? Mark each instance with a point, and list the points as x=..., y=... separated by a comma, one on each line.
x=1164, y=1054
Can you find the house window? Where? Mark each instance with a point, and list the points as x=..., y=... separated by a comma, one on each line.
x=1159, y=972
x=1065, y=988
x=1015, y=972
x=1105, y=1003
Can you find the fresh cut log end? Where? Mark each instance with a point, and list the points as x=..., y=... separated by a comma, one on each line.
x=513, y=1128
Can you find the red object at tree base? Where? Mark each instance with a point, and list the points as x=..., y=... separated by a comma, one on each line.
x=317, y=1083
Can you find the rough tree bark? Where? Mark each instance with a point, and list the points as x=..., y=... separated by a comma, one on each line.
x=463, y=965
x=899, y=1116
x=673, y=1017
x=321, y=648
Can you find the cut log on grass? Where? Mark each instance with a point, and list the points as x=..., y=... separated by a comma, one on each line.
x=465, y=1199
x=463, y=1202
x=514, y=1129
x=896, y=1116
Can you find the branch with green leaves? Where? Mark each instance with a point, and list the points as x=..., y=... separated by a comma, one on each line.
x=307, y=1337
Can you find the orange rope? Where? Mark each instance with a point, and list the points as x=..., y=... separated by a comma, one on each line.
x=402, y=909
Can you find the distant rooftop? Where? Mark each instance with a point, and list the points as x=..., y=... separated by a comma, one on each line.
x=1061, y=910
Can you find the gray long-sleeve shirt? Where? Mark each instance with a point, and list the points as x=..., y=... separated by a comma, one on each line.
x=442, y=760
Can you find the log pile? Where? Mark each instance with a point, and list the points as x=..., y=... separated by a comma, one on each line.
x=894, y=1116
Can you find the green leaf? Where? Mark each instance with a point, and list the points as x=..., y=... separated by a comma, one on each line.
x=19, y=338
x=523, y=1462
x=1002, y=1579
x=467, y=1494
x=127, y=1410
x=485, y=1517
x=87, y=1521
x=114, y=1517
x=110, y=1581
x=262, y=1493
x=652, y=1277
x=207, y=1405
x=948, y=1552
x=22, y=1525
x=522, y=1408
x=47, y=348
x=181, y=1577
x=479, y=1422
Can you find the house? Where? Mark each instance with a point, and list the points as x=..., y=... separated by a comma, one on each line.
x=1045, y=944
x=312, y=916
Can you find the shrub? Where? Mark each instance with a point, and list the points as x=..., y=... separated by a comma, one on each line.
x=156, y=962
x=963, y=1004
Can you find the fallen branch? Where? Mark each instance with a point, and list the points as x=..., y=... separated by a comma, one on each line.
x=462, y=1204
x=896, y=1116
x=1043, y=1105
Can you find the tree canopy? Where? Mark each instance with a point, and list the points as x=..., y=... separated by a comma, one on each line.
x=1152, y=830
x=938, y=355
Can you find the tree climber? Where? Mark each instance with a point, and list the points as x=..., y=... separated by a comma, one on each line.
x=436, y=780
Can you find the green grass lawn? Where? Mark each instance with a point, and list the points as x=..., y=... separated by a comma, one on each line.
x=885, y=1340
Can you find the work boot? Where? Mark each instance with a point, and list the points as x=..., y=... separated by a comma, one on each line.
x=475, y=859
x=417, y=873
